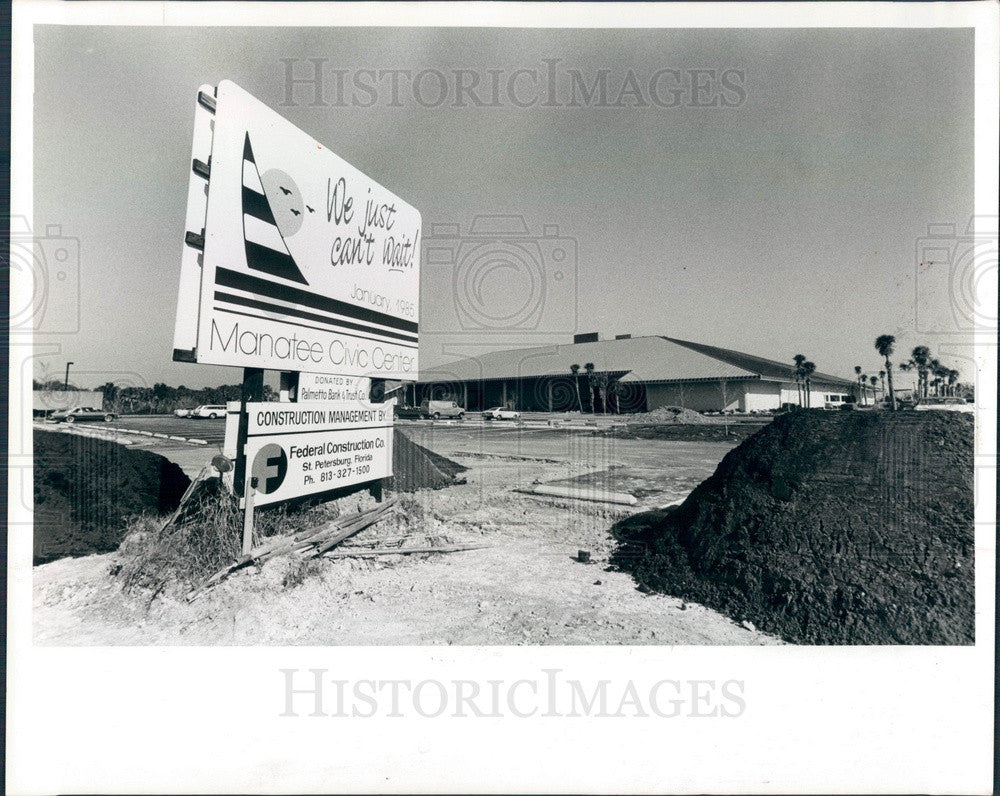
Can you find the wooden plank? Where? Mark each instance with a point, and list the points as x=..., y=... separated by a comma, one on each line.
x=329, y=536
x=352, y=529
x=403, y=551
x=186, y=497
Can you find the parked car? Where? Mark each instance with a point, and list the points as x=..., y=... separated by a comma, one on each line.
x=500, y=413
x=439, y=409
x=407, y=412
x=211, y=411
x=182, y=412
x=81, y=413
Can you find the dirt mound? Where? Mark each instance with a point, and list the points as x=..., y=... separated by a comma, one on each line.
x=673, y=414
x=828, y=528
x=85, y=488
x=708, y=432
x=414, y=467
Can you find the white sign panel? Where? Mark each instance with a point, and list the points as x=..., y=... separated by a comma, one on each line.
x=297, y=450
x=332, y=387
x=308, y=263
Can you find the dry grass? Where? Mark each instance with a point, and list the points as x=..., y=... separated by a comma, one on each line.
x=183, y=555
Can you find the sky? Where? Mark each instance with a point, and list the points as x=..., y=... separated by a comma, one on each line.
x=782, y=208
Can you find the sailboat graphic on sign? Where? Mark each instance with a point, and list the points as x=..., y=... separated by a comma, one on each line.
x=265, y=247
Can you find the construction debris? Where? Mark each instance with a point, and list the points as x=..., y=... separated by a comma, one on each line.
x=403, y=551
x=305, y=544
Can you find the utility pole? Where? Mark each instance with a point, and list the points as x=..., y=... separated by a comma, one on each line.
x=66, y=381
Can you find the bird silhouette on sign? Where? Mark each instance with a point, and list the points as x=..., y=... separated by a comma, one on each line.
x=296, y=212
x=284, y=190
x=310, y=209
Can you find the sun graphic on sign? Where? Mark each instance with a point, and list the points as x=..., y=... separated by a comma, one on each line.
x=269, y=468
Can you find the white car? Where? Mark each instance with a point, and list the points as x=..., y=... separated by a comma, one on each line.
x=499, y=413
x=211, y=411
x=182, y=412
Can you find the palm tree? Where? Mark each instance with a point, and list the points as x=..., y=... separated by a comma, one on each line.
x=873, y=381
x=881, y=379
x=934, y=369
x=952, y=379
x=602, y=391
x=921, y=358
x=906, y=367
x=942, y=371
x=884, y=345
x=589, y=367
x=613, y=395
x=110, y=394
x=859, y=377
x=808, y=368
x=798, y=359
x=575, y=370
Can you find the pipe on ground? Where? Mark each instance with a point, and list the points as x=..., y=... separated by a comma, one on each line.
x=596, y=495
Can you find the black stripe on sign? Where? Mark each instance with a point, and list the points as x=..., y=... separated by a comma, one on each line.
x=239, y=281
x=263, y=258
x=255, y=204
x=332, y=322
x=247, y=150
x=288, y=322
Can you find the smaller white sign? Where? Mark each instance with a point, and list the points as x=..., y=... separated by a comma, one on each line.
x=330, y=387
x=296, y=450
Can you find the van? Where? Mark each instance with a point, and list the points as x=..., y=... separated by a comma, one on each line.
x=439, y=409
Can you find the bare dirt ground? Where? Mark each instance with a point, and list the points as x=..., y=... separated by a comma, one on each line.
x=524, y=588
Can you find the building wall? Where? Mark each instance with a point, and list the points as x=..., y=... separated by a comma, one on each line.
x=700, y=396
x=532, y=395
x=535, y=394
x=761, y=396
x=819, y=397
x=741, y=396
x=789, y=394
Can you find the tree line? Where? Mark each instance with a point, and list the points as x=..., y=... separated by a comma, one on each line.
x=158, y=399
x=600, y=383
x=933, y=378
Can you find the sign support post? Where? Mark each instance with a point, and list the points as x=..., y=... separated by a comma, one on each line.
x=290, y=384
x=251, y=488
x=252, y=392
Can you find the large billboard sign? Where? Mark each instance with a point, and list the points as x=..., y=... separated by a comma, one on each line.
x=295, y=450
x=308, y=264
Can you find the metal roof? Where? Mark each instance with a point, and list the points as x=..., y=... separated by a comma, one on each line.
x=641, y=359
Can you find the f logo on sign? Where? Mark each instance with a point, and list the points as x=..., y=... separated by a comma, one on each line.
x=269, y=468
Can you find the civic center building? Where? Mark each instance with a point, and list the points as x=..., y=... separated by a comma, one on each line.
x=642, y=373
